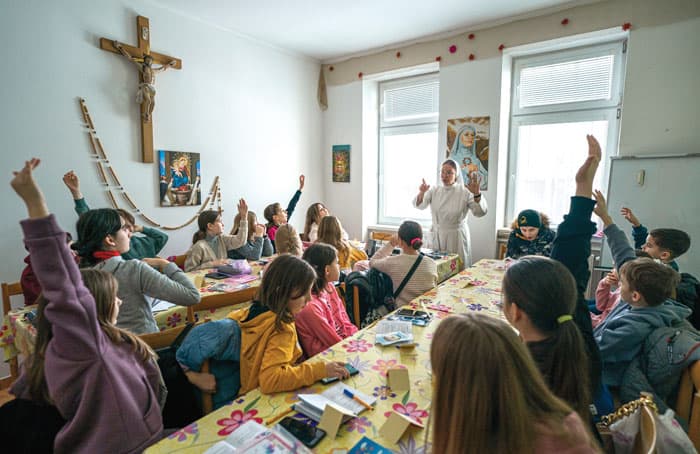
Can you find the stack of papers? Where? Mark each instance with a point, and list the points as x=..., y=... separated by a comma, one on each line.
x=312, y=405
x=390, y=332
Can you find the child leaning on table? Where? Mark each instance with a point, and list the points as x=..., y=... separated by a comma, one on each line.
x=210, y=245
x=645, y=289
x=264, y=337
x=103, y=380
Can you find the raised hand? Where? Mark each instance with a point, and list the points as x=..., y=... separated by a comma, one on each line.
x=423, y=188
x=586, y=173
x=631, y=218
x=474, y=184
x=601, y=208
x=243, y=209
x=72, y=182
x=302, y=180
x=26, y=188
x=259, y=230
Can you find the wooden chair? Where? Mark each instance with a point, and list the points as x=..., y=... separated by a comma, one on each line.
x=9, y=290
x=688, y=402
x=180, y=260
x=502, y=248
x=381, y=236
x=355, y=303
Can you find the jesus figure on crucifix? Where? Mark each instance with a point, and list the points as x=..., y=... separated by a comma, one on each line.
x=146, y=93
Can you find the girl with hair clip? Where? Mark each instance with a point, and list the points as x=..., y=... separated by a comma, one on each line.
x=269, y=345
x=103, y=380
x=450, y=205
x=543, y=300
x=530, y=235
x=258, y=244
x=314, y=214
x=210, y=245
x=287, y=241
x=324, y=321
x=410, y=240
x=103, y=237
x=331, y=232
x=496, y=400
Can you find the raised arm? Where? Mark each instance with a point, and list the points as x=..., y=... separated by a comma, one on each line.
x=421, y=201
x=639, y=232
x=620, y=247
x=70, y=308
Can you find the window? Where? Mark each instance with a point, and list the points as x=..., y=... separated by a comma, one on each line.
x=408, y=141
x=557, y=98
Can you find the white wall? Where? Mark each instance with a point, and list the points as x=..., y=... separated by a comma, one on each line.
x=660, y=112
x=249, y=109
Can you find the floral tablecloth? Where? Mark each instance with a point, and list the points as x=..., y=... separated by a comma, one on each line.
x=475, y=289
x=17, y=333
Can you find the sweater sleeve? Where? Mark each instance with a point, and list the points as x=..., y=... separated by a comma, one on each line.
x=156, y=237
x=252, y=250
x=277, y=370
x=315, y=331
x=479, y=208
x=639, y=234
x=620, y=247
x=604, y=298
x=427, y=197
x=379, y=259
x=293, y=204
x=81, y=206
x=267, y=248
x=71, y=308
x=237, y=240
x=172, y=285
x=205, y=341
x=197, y=257
x=572, y=247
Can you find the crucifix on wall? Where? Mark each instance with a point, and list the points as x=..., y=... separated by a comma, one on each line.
x=144, y=59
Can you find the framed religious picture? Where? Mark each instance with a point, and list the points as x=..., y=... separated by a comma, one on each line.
x=468, y=145
x=180, y=178
x=341, y=163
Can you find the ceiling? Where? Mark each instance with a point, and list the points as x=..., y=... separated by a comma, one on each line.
x=332, y=30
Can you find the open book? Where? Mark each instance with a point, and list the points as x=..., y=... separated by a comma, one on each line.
x=390, y=332
x=312, y=405
x=254, y=438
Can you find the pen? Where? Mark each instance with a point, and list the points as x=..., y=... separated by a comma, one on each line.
x=279, y=416
x=350, y=394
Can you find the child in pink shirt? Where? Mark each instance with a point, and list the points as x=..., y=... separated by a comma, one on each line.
x=605, y=297
x=324, y=321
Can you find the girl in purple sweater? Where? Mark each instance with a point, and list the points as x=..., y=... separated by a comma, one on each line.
x=101, y=379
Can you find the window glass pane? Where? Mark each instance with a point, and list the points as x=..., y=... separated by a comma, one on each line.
x=548, y=157
x=588, y=79
x=413, y=102
x=406, y=159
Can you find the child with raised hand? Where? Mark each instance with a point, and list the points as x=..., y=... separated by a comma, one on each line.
x=258, y=244
x=103, y=237
x=324, y=321
x=210, y=245
x=331, y=232
x=530, y=235
x=662, y=244
x=489, y=397
x=276, y=216
x=543, y=299
x=410, y=239
x=103, y=380
x=147, y=244
x=645, y=289
x=269, y=345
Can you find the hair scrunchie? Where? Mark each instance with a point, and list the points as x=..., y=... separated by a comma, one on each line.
x=413, y=241
x=564, y=318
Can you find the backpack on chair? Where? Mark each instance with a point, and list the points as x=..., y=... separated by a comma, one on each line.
x=376, y=295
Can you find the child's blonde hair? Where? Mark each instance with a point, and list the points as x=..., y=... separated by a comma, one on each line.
x=287, y=241
x=488, y=396
x=252, y=222
x=330, y=231
x=313, y=216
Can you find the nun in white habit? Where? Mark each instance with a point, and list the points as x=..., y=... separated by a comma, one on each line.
x=449, y=205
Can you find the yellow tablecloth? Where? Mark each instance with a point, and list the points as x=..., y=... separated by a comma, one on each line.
x=475, y=289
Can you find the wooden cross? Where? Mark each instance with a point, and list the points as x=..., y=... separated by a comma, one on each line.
x=146, y=92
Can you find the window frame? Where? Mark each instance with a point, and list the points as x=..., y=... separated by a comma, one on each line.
x=399, y=127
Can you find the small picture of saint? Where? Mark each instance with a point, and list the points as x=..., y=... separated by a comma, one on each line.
x=180, y=179
x=341, y=163
x=468, y=145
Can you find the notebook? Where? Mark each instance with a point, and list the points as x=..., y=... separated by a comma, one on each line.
x=393, y=332
x=312, y=405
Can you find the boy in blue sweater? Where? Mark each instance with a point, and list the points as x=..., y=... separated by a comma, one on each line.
x=645, y=288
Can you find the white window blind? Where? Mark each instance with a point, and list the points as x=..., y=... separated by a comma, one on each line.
x=589, y=79
x=411, y=103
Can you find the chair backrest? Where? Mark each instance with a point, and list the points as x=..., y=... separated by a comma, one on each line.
x=9, y=290
x=180, y=260
x=645, y=442
x=163, y=338
x=502, y=248
x=688, y=403
x=381, y=236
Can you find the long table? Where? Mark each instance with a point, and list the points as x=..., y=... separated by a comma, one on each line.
x=474, y=289
x=17, y=334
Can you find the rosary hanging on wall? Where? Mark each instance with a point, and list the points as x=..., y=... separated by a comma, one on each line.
x=213, y=198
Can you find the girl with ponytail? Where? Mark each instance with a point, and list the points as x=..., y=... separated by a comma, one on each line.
x=410, y=240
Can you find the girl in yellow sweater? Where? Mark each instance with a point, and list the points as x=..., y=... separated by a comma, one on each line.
x=269, y=345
